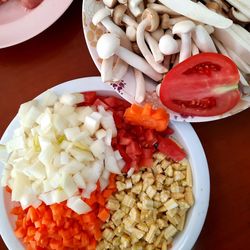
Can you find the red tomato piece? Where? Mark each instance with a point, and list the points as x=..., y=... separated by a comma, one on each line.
x=203, y=85
x=89, y=98
x=168, y=147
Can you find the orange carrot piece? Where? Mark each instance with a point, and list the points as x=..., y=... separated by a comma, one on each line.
x=103, y=214
x=147, y=117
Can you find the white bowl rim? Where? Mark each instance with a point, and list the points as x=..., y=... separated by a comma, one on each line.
x=190, y=142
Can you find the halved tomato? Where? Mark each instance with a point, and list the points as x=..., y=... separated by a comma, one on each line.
x=203, y=85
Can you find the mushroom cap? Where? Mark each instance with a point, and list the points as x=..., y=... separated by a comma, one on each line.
x=183, y=27
x=107, y=45
x=110, y=3
x=118, y=13
x=100, y=15
x=153, y=18
x=168, y=45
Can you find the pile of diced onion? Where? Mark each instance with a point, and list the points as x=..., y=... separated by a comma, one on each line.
x=59, y=152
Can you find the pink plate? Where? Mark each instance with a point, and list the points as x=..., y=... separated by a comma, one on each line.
x=17, y=24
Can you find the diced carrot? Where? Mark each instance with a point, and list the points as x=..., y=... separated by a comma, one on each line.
x=147, y=117
x=20, y=232
x=107, y=193
x=103, y=214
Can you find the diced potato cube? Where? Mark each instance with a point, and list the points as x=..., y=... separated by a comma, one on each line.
x=138, y=233
x=148, y=204
x=170, y=231
x=116, y=242
x=147, y=175
x=149, y=247
x=178, y=176
x=162, y=223
x=172, y=212
x=157, y=204
x=174, y=220
x=125, y=209
x=120, y=196
x=164, y=196
x=151, y=234
x=165, y=163
x=157, y=169
x=117, y=216
x=189, y=178
x=159, y=156
x=125, y=241
x=183, y=205
x=160, y=178
x=169, y=171
x=142, y=226
x=147, y=182
x=128, y=184
x=164, y=245
x=128, y=223
x=136, y=177
x=177, y=196
x=175, y=188
x=137, y=246
x=120, y=186
x=158, y=239
x=139, y=205
x=137, y=188
x=181, y=223
x=189, y=198
x=162, y=209
x=134, y=214
x=176, y=166
x=119, y=231
x=146, y=215
x=169, y=181
x=170, y=204
x=151, y=191
x=157, y=197
x=128, y=201
x=113, y=204
x=108, y=234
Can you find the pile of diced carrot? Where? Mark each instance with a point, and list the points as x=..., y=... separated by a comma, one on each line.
x=58, y=227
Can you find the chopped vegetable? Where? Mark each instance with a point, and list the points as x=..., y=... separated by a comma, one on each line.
x=147, y=117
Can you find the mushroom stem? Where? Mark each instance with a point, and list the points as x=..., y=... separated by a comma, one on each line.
x=166, y=61
x=153, y=45
x=194, y=11
x=185, y=51
x=243, y=33
x=177, y=60
x=138, y=63
x=225, y=53
x=244, y=67
x=195, y=50
x=144, y=49
x=242, y=6
x=107, y=69
x=209, y=29
x=202, y=39
x=161, y=9
x=233, y=41
x=140, y=86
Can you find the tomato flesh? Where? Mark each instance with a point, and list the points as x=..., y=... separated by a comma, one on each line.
x=202, y=85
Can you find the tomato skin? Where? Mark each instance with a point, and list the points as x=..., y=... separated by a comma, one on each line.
x=190, y=87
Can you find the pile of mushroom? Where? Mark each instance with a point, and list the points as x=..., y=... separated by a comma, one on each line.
x=153, y=36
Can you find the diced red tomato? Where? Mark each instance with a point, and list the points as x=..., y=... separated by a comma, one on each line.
x=168, y=147
x=89, y=98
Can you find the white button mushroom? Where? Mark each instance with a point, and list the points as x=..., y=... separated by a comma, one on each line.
x=136, y=7
x=184, y=29
x=150, y=21
x=109, y=45
x=168, y=45
x=120, y=68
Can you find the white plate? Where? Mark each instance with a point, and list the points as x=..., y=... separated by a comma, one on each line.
x=184, y=134
x=17, y=24
x=127, y=85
